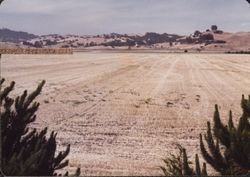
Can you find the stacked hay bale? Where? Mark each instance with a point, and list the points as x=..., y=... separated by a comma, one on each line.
x=60, y=51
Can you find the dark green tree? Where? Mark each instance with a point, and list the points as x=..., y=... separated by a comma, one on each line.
x=233, y=158
x=26, y=151
x=214, y=28
x=179, y=165
x=227, y=148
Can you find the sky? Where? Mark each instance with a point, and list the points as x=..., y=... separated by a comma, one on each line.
x=88, y=17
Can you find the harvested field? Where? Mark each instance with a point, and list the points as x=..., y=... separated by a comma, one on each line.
x=123, y=112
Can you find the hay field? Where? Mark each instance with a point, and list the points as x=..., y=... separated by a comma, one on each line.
x=123, y=112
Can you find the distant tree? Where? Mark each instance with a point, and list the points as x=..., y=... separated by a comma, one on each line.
x=207, y=37
x=214, y=28
x=38, y=44
x=91, y=44
x=49, y=42
x=218, y=32
x=189, y=40
x=197, y=33
x=27, y=43
x=130, y=42
x=65, y=46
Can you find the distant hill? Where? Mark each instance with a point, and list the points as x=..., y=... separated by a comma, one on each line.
x=7, y=35
x=212, y=39
x=112, y=40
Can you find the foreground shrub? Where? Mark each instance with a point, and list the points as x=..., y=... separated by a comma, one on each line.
x=227, y=148
x=179, y=165
x=26, y=151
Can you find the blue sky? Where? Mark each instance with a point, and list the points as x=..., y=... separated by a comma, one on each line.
x=123, y=16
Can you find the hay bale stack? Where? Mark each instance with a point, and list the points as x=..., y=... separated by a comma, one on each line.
x=48, y=51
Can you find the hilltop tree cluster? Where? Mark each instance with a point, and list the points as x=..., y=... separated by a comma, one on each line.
x=206, y=37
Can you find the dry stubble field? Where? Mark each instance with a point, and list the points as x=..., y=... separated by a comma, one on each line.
x=123, y=112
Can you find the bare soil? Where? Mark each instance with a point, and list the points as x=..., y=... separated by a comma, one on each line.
x=123, y=112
